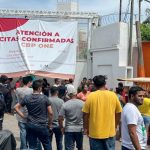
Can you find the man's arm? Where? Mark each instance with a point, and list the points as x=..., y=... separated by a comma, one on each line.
x=50, y=115
x=60, y=121
x=86, y=123
x=117, y=119
x=17, y=108
x=133, y=136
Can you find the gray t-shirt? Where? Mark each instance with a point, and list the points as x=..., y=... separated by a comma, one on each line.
x=72, y=112
x=20, y=94
x=56, y=104
x=37, y=105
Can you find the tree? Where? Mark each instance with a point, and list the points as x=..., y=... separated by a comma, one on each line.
x=145, y=30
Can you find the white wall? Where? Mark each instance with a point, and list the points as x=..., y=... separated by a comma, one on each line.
x=105, y=37
x=110, y=52
x=105, y=63
x=81, y=71
x=124, y=43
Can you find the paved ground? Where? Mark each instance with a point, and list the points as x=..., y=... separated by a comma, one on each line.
x=10, y=123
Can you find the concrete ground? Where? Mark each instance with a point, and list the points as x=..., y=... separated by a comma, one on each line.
x=10, y=123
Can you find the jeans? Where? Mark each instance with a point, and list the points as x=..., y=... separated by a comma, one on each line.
x=38, y=132
x=23, y=135
x=58, y=137
x=71, y=138
x=102, y=144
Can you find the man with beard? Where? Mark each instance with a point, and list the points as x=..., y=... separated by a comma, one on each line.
x=133, y=128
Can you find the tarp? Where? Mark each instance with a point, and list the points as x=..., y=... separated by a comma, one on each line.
x=142, y=81
x=7, y=140
x=37, y=47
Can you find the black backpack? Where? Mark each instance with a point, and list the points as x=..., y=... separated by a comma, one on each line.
x=2, y=105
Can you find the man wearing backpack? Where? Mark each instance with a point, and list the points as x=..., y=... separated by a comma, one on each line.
x=6, y=93
x=4, y=97
x=2, y=110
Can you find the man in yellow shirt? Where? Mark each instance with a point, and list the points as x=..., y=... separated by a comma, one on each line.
x=145, y=111
x=101, y=115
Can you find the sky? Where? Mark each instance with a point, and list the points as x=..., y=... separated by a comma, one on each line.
x=104, y=7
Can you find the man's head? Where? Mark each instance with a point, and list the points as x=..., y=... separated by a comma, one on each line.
x=57, y=81
x=45, y=80
x=3, y=79
x=136, y=95
x=70, y=81
x=120, y=84
x=54, y=91
x=90, y=81
x=66, y=81
x=37, y=86
x=27, y=80
x=71, y=94
x=84, y=80
x=119, y=90
x=84, y=88
x=99, y=81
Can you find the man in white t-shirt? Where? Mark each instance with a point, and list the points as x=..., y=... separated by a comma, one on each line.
x=133, y=128
x=70, y=87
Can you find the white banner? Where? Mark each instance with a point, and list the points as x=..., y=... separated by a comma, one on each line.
x=38, y=47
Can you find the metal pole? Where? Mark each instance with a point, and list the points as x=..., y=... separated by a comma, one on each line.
x=140, y=11
x=130, y=37
x=89, y=62
x=120, y=10
x=141, y=71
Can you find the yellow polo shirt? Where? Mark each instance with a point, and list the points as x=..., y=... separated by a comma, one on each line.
x=145, y=108
x=101, y=106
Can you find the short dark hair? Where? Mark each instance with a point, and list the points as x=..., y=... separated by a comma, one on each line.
x=54, y=90
x=120, y=84
x=3, y=79
x=84, y=78
x=134, y=89
x=36, y=84
x=70, y=80
x=56, y=79
x=99, y=81
x=119, y=90
x=27, y=79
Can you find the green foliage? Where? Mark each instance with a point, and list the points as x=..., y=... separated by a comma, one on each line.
x=145, y=31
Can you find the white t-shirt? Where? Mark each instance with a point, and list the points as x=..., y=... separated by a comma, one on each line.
x=70, y=88
x=131, y=115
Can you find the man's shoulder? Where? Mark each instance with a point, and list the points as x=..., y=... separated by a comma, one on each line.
x=55, y=99
x=67, y=103
x=28, y=96
x=70, y=86
x=128, y=108
x=75, y=101
x=110, y=92
x=147, y=100
x=3, y=88
x=41, y=97
x=23, y=89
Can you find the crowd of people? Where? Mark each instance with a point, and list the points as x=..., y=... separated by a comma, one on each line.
x=44, y=109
